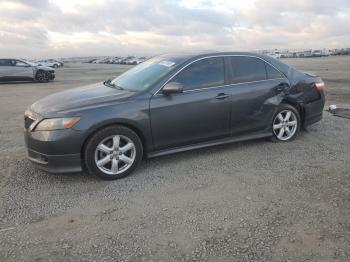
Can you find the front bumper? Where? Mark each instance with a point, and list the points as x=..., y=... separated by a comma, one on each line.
x=52, y=75
x=69, y=163
x=55, y=151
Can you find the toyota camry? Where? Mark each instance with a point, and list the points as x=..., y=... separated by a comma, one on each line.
x=168, y=104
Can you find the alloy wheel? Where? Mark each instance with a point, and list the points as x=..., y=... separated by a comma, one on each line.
x=285, y=125
x=42, y=76
x=115, y=154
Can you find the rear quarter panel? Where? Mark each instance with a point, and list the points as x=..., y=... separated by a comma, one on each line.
x=304, y=94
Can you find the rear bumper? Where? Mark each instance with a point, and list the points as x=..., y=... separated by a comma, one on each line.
x=313, y=111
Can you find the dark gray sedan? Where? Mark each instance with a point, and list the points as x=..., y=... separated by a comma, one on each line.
x=169, y=104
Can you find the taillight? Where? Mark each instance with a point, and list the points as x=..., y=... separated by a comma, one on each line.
x=320, y=87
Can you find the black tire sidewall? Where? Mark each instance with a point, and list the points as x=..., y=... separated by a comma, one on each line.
x=46, y=75
x=283, y=107
x=95, y=139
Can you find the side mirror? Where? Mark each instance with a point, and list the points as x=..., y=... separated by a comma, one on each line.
x=172, y=88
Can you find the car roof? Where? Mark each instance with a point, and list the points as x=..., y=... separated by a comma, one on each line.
x=11, y=58
x=181, y=57
x=20, y=59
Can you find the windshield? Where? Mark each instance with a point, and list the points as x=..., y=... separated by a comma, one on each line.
x=28, y=62
x=144, y=75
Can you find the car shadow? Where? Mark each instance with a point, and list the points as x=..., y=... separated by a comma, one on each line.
x=147, y=166
x=15, y=82
x=209, y=150
x=197, y=154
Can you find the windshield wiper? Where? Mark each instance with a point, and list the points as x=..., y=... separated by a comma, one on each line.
x=109, y=84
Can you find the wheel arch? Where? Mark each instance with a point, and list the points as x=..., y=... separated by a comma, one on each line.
x=103, y=125
x=297, y=106
x=38, y=71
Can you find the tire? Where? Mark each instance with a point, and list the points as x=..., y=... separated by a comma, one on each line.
x=105, y=157
x=285, y=124
x=55, y=66
x=42, y=76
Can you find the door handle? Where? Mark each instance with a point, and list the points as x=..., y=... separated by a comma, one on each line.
x=222, y=96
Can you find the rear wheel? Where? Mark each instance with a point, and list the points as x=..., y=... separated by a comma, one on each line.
x=42, y=76
x=286, y=123
x=113, y=152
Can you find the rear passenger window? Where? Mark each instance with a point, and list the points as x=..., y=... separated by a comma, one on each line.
x=272, y=73
x=208, y=72
x=5, y=62
x=247, y=69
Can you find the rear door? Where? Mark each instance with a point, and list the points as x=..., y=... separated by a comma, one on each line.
x=256, y=88
x=201, y=112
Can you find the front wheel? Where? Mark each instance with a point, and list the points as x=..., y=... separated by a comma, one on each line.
x=42, y=76
x=113, y=152
x=286, y=123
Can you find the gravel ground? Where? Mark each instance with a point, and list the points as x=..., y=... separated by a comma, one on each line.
x=251, y=201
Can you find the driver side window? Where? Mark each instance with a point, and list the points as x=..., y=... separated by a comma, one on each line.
x=207, y=72
x=5, y=62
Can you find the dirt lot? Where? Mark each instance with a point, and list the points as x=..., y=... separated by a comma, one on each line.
x=251, y=201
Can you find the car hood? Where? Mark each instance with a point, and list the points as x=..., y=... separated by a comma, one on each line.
x=46, y=68
x=94, y=95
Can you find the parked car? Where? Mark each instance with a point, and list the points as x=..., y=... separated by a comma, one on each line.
x=127, y=60
x=142, y=59
x=49, y=63
x=91, y=61
x=97, y=61
x=169, y=104
x=60, y=62
x=116, y=60
x=22, y=70
x=276, y=55
x=135, y=61
x=104, y=60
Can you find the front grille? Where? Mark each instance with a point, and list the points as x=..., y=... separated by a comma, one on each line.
x=28, y=121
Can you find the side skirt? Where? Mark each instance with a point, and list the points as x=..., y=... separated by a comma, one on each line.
x=220, y=141
x=14, y=79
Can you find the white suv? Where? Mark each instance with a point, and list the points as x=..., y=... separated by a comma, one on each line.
x=49, y=62
x=22, y=70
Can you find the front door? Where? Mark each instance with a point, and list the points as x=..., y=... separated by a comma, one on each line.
x=21, y=70
x=201, y=112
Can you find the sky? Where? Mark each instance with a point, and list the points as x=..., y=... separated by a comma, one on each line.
x=66, y=28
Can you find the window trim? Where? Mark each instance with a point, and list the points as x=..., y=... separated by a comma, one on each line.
x=25, y=64
x=267, y=73
x=252, y=60
x=213, y=56
x=224, y=74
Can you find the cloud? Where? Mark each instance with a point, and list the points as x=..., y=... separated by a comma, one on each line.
x=39, y=28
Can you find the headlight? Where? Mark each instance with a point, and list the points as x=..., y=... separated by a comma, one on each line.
x=57, y=123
